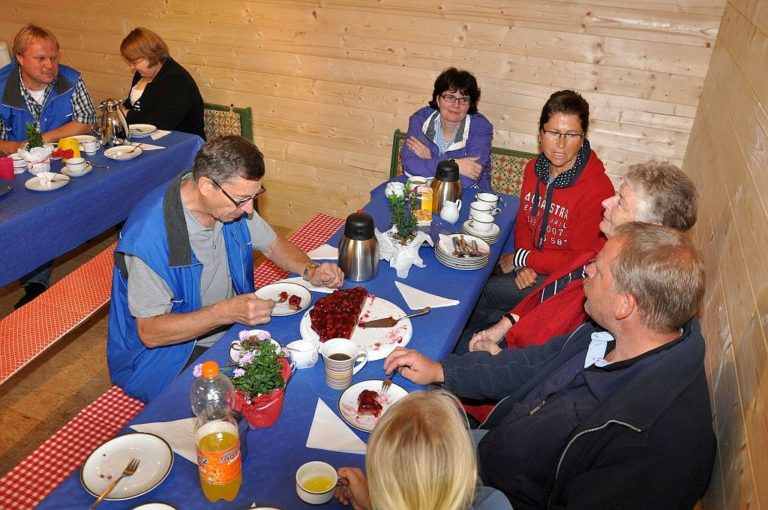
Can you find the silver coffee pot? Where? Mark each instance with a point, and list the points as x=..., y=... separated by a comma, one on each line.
x=446, y=186
x=111, y=125
x=358, y=248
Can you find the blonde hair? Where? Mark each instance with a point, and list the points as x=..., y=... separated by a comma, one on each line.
x=420, y=455
x=29, y=34
x=143, y=43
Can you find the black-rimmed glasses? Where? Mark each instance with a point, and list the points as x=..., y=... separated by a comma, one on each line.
x=451, y=99
x=556, y=135
x=239, y=203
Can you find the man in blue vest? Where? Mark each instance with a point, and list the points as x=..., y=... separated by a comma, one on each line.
x=37, y=90
x=184, y=267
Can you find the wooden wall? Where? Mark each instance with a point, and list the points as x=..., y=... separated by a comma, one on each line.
x=329, y=81
x=728, y=158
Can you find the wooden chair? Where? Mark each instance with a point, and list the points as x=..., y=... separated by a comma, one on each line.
x=222, y=120
x=506, y=165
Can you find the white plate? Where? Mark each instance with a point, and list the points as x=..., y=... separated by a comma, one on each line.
x=348, y=403
x=109, y=460
x=34, y=184
x=66, y=171
x=141, y=130
x=446, y=246
x=234, y=348
x=273, y=290
x=379, y=342
x=120, y=152
x=154, y=506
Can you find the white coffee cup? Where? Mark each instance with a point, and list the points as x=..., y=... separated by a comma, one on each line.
x=90, y=144
x=484, y=207
x=418, y=182
x=315, y=482
x=342, y=358
x=303, y=353
x=76, y=164
x=488, y=197
x=19, y=164
x=481, y=222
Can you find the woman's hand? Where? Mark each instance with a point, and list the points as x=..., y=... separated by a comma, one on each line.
x=469, y=167
x=418, y=148
x=353, y=488
x=525, y=278
x=488, y=339
x=507, y=262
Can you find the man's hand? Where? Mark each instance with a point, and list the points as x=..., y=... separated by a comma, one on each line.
x=326, y=275
x=414, y=366
x=418, y=148
x=247, y=309
x=353, y=488
x=507, y=262
x=525, y=278
x=469, y=167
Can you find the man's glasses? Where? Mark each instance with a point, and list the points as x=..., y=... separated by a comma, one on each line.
x=451, y=99
x=556, y=135
x=239, y=203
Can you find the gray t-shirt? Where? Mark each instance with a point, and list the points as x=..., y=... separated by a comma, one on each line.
x=149, y=295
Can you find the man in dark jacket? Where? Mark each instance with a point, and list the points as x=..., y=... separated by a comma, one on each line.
x=609, y=416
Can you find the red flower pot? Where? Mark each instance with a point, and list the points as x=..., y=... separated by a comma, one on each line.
x=264, y=410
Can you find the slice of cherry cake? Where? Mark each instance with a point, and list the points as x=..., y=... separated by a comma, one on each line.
x=368, y=403
x=336, y=315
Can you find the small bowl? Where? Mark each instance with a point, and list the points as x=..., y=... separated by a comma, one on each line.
x=303, y=353
x=310, y=473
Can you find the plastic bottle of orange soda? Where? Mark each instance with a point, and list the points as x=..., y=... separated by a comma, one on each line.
x=216, y=434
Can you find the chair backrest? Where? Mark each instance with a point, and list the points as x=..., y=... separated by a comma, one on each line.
x=506, y=165
x=222, y=120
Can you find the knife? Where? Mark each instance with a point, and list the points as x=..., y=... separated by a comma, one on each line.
x=388, y=322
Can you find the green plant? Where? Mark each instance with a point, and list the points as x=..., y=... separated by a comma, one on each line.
x=258, y=369
x=403, y=217
x=34, y=138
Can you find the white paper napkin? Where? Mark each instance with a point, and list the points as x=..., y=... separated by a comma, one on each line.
x=329, y=432
x=419, y=299
x=178, y=434
x=301, y=281
x=149, y=146
x=159, y=134
x=324, y=252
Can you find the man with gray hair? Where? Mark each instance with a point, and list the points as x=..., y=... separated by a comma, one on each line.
x=652, y=192
x=614, y=415
x=184, y=267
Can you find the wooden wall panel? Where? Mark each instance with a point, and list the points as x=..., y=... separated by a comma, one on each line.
x=727, y=158
x=333, y=79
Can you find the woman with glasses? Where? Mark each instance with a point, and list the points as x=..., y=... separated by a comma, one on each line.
x=162, y=92
x=451, y=128
x=560, y=210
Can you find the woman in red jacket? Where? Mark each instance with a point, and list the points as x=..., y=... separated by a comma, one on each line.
x=560, y=210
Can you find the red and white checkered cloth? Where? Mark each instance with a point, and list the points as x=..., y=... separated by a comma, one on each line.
x=44, y=469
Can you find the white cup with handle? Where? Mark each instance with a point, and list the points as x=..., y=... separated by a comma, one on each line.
x=491, y=198
x=342, y=358
x=484, y=207
x=481, y=222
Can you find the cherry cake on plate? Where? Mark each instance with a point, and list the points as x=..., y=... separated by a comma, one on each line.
x=336, y=315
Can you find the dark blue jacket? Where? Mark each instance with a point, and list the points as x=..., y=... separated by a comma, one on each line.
x=57, y=109
x=649, y=444
x=156, y=232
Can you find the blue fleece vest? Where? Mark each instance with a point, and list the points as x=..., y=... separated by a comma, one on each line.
x=57, y=109
x=156, y=233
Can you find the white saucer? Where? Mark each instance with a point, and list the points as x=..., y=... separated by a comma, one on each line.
x=35, y=185
x=88, y=167
x=141, y=130
x=123, y=152
x=109, y=460
x=348, y=403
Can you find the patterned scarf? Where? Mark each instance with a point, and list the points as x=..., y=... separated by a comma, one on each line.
x=564, y=180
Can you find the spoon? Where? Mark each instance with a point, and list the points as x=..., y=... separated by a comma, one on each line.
x=388, y=322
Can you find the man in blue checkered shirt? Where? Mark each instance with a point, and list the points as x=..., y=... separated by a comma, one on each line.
x=35, y=89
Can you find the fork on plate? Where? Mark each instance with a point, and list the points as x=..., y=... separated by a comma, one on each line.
x=129, y=470
x=386, y=383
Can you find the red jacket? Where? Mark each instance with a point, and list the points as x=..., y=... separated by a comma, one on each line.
x=574, y=217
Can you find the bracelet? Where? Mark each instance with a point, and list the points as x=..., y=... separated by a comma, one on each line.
x=510, y=318
x=307, y=269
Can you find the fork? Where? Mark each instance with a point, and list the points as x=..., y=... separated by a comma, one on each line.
x=129, y=470
x=135, y=147
x=386, y=383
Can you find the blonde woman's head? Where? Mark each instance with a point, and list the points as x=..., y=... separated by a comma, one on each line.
x=420, y=455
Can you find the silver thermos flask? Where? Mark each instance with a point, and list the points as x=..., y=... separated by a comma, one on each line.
x=446, y=186
x=358, y=248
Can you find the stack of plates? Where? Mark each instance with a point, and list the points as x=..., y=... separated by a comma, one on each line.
x=445, y=248
x=489, y=237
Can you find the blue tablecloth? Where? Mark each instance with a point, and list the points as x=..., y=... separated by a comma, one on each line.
x=274, y=454
x=36, y=227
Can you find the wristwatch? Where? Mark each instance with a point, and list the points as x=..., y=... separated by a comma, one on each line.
x=510, y=318
x=307, y=268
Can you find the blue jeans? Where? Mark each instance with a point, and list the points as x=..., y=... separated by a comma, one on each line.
x=41, y=275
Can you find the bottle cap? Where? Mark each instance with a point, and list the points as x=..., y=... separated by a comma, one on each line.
x=210, y=369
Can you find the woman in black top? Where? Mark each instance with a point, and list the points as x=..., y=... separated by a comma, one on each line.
x=162, y=92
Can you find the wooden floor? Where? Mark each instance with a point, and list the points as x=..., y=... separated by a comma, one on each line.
x=50, y=391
